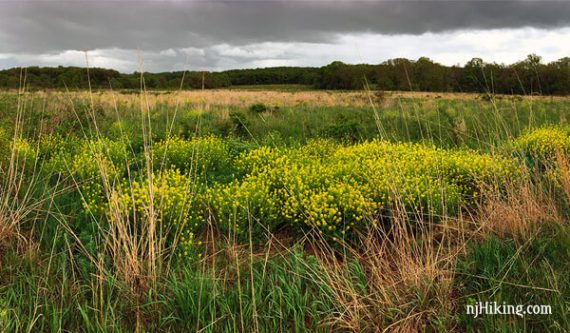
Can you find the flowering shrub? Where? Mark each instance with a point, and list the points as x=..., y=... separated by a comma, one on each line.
x=322, y=184
x=238, y=203
x=544, y=143
x=51, y=145
x=173, y=205
x=469, y=170
x=548, y=149
x=91, y=158
x=25, y=153
x=336, y=188
x=200, y=154
x=91, y=163
x=259, y=160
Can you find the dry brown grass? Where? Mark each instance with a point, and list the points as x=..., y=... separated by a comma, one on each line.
x=531, y=203
x=59, y=100
x=562, y=169
x=16, y=202
x=409, y=274
x=410, y=271
x=520, y=213
x=138, y=245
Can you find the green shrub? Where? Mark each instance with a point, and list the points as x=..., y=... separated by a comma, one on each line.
x=258, y=108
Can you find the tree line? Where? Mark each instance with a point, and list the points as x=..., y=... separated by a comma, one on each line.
x=529, y=76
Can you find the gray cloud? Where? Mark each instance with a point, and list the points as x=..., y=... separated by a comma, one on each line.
x=456, y=47
x=34, y=27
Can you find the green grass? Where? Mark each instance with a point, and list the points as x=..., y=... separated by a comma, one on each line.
x=535, y=272
x=240, y=204
x=473, y=123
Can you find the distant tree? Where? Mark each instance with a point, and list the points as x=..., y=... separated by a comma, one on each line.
x=524, y=77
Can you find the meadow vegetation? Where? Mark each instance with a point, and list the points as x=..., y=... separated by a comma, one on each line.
x=235, y=210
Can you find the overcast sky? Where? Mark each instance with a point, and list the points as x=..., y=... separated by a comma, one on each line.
x=215, y=35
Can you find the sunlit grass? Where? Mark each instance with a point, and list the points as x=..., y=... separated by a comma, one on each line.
x=320, y=211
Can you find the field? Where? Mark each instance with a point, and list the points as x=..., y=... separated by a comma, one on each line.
x=282, y=209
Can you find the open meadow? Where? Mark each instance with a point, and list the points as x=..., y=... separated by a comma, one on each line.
x=282, y=210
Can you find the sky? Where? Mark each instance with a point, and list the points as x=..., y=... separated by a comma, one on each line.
x=170, y=35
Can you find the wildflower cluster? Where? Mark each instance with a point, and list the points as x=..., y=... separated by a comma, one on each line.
x=334, y=187
x=51, y=145
x=168, y=197
x=25, y=153
x=200, y=154
x=548, y=149
x=91, y=163
x=544, y=143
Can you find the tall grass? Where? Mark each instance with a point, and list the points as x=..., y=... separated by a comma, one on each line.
x=407, y=271
x=17, y=203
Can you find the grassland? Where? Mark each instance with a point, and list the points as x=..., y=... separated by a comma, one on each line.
x=282, y=210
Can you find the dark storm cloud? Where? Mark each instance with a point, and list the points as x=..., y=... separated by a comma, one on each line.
x=48, y=26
